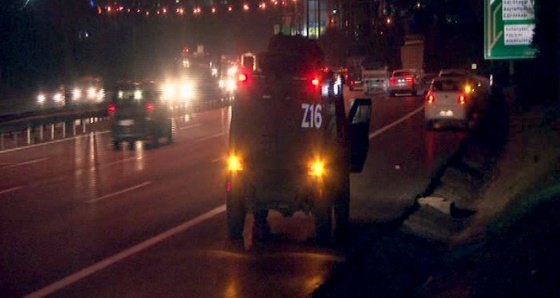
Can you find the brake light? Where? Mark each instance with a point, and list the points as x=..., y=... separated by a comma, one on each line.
x=112, y=109
x=242, y=77
x=409, y=80
x=150, y=107
x=393, y=80
x=315, y=81
x=430, y=98
x=462, y=99
x=229, y=186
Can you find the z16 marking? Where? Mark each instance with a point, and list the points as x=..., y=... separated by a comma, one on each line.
x=312, y=117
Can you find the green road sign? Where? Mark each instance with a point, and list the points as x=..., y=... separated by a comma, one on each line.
x=508, y=29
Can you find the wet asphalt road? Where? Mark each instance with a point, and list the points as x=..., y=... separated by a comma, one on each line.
x=79, y=219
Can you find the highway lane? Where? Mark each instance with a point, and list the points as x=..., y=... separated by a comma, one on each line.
x=78, y=205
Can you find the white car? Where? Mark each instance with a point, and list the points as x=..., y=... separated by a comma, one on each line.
x=407, y=81
x=456, y=100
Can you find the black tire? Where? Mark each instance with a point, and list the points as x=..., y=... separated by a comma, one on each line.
x=391, y=94
x=170, y=136
x=116, y=145
x=341, y=212
x=323, y=213
x=235, y=213
x=154, y=137
x=414, y=93
x=261, y=228
x=429, y=125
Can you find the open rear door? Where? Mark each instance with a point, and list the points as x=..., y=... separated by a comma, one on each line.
x=358, y=127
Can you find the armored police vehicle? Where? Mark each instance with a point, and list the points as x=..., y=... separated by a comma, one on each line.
x=292, y=145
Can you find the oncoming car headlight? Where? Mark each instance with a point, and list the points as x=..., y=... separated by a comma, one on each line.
x=187, y=90
x=41, y=98
x=168, y=91
x=138, y=94
x=76, y=93
x=57, y=97
x=91, y=92
x=228, y=85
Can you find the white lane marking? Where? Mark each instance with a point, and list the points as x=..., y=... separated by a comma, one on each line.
x=73, y=278
x=24, y=163
x=210, y=137
x=389, y=126
x=53, y=142
x=119, y=192
x=190, y=126
x=119, y=161
x=10, y=189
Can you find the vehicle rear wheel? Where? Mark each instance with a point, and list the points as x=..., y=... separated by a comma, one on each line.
x=261, y=228
x=391, y=94
x=154, y=138
x=235, y=213
x=342, y=211
x=323, y=213
x=170, y=136
x=116, y=145
x=429, y=124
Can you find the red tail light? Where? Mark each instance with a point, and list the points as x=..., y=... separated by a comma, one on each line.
x=229, y=186
x=150, y=107
x=462, y=99
x=393, y=80
x=242, y=77
x=112, y=109
x=409, y=80
x=430, y=98
x=315, y=82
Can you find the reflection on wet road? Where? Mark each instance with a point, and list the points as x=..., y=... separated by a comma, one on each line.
x=80, y=219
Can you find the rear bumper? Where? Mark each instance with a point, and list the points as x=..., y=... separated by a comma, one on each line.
x=445, y=113
x=401, y=89
x=130, y=133
x=375, y=86
x=285, y=193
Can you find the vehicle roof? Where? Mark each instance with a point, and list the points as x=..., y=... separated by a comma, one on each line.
x=291, y=54
x=134, y=85
x=453, y=71
x=447, y=84
x=404, y=70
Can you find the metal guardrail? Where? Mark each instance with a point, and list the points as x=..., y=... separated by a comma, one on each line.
x=27, y=128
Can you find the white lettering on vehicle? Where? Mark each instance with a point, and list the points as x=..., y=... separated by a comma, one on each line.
x=312, y=117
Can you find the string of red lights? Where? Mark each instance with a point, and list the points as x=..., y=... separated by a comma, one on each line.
x=115, y=9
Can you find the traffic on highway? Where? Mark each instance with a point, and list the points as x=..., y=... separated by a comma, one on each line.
x=254, y=149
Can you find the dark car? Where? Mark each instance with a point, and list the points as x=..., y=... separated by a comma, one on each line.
x=137, y=111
